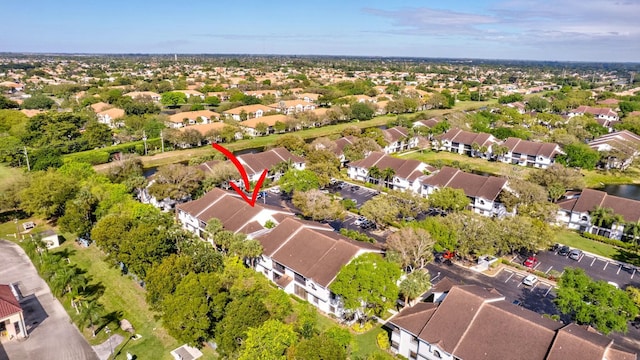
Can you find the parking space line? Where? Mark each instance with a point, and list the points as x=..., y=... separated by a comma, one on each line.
x=549, y=269
x=509, y=278
x=580, y=258
x=548, y=290
x=605, y=265
x=594, y=260
x=536, y=267
x=519, y=284
x=634, y=272
x=618, y=272
x=534, y=286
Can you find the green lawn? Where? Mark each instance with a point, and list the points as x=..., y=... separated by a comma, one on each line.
x=596, y=179
x=366, y=344
x=7, y=172
x=125, y=298
x=574, y=240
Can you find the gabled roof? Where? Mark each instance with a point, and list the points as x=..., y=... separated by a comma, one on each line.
x=590, y=199
x=269, y=120
x=476, y=323
x=394, y=134
x=621, y=140
x=533, y=148
x=100, y=106
x=466, y=137
x=594, y=111
x=234, y=213
x=486, y=187
x=193, y=115
x=342, y=142
x=404, y=168
x=9, y=305
x=249, y=109
x=204, y=128
x=256, y=163
x=430, y=123
x=113, y=113
x=315, y=252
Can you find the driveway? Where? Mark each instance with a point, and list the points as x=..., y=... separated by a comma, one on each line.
x=51, y=333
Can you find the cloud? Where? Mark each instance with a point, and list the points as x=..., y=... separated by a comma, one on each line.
x=428, y=21
x=604, y=27
x=261, y=37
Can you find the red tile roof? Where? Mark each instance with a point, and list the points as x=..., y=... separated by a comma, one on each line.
x=9, y=305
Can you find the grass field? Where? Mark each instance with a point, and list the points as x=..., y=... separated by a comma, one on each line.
x=367, y=345
x=574, y=240
x=6, y=173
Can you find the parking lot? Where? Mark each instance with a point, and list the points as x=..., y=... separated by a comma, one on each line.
x=597, y=268
x=359, y=194
x=512, y=278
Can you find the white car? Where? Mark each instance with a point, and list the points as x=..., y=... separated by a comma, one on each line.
x=274, y=190
x=530, y=280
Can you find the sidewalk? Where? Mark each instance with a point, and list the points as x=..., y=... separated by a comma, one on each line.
x=108, y=347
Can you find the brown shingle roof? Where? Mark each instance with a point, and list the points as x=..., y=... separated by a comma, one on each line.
x=9, y=305
x=486, y=187
x=313, y=253
x=404, y=168
x=256, y=163
x=468, y=138
x=590, y=199
x=574, y=342
x=533, y=148
x=413, y=319
x=395, y=134
x=342, y=142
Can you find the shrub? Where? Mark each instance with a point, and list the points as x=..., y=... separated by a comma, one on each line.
x=356, y=235
x=606, y=240
x=383, y=340
x=93, y=157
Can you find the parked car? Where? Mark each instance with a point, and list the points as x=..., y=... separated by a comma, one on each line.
x=531, y=262
x=354, y=188
x=359, y=220
x=530, y=280
x=575, y=254
x=564, y=251
x=275, y=190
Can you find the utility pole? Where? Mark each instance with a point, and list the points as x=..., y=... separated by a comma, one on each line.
x=27, y=156
x=162, y=140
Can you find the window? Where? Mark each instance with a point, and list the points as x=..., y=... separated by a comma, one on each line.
x=413, y=355
x=436, y=353
x=300, y=291
x=278, y=267
x=300, y=279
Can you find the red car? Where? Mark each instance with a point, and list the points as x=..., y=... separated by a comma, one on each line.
x=531, y=262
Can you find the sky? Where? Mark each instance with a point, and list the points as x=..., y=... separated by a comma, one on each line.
x=559, y=30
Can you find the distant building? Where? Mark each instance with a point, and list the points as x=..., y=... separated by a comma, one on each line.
x=11, y=315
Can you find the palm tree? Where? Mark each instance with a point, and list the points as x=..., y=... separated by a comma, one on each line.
x=475, y=148
x=90, y=313
x=604, y=218
x=214, y=225
x=632, y=229
x=375, y=173
x=414, y=285
x=388, y=174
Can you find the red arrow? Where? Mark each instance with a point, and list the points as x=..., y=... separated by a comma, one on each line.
x=245, y=178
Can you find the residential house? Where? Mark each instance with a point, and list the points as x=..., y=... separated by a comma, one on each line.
x=529, y=153
x=222, y=95
x=109, y=117
x=429, y=123
x=621, y=148
x=303, y=258
x=521, y=107
x=143, y=95
x=50, y=238
x=398, y=139
x=341, y=143
x=256, y=163
x=191, y=93
x=248, y=112
x=292, y=106
x=576, y=212
x=11, y=316
x=186, y=118
x=406, y=172
x=483, y=191
x=261, y=93
x=308, y=97
x=11, y=87
x=476, y=323
x=100, y=106
x=235, y=214
x=605, y=116
x=250, y=126
x=465, y=142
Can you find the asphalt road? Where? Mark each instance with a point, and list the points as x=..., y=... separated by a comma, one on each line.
x=51, y=333
x=596, y=267
x=538, y=298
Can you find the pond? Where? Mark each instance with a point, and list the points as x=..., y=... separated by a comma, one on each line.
x=629, y=191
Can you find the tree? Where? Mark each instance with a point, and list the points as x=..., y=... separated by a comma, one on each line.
x=298, y=180
x=449, y=199
x=360, y=148
x=537, y=103
x=412, y=246
x=38, y=102
x=47, y=193
x=97, y=135
x=324, y=163
x=262, y=128
x=374, y=174
x=388, y=174
x=176, y=182
x=414, y=285
x=557, y=179
x=319, y=347
x=380, y=209
x=595, y=303
x=90, y=313
x=7, y=104
x=291, y=142
x=163, y=278
x=269, y=341
x=367, y=283
x=579, y=155
x=189, y=312
x=362, y=111
x=241, y=314
x=317, y=205
x=173, y=98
